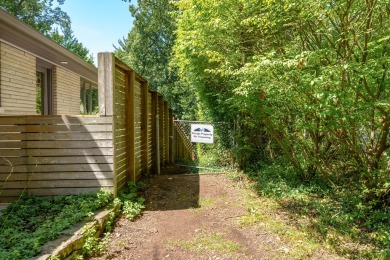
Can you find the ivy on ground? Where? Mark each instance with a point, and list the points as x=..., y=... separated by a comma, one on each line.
x=30, y=222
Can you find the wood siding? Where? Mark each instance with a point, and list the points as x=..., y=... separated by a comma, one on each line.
x=52, y=155
x=17, y=81
x=66, y=92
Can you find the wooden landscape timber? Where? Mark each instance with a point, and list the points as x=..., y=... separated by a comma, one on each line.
x=46, y=155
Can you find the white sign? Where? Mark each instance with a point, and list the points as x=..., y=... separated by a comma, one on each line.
x=202, y=134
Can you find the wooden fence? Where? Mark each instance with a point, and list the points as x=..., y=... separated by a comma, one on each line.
x=183, y=146
x=53, y=155
x=136, y=110
x=61, y=154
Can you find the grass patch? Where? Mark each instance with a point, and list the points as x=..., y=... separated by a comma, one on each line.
x=337, y=216
x=267, y=215
x=203, y=242
x=30, y=222
x=202, y=165
x=205, y=202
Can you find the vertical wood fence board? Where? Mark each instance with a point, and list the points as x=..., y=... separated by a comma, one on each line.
x=150, y=134
x=137, y=129
x=154, y=130
x=161, y=128
x=170, y=137
x=144, y=127
x=106, y=67
x=119, y=126
x=166, y=133
x=131, y=126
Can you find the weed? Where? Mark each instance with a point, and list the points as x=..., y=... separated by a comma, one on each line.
x=109, y=222
x=132, y=204
x=94, y=246
x=208, y=242
x=132, y=209
x=91, y=241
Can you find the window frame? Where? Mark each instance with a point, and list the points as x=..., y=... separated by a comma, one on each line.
x=46, y=90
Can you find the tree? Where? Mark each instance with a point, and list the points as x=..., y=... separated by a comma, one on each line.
x=70, y=42
x=50, y=21
x=39, y=14
x=150, y=41
x=147, y=49
x=311, y=74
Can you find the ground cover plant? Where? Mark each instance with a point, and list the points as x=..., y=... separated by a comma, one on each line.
x=30, y=222
x=338, y=215
x=131, y=204
x=131, y=201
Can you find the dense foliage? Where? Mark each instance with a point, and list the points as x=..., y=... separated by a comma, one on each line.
x=50, y=20
x=336, y=216
x=148, y=48
x=30, y=222
x=312, y=76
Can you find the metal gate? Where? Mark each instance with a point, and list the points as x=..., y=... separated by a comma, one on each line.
x=205, y=156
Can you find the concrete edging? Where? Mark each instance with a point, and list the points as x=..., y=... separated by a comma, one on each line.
x=64, y=246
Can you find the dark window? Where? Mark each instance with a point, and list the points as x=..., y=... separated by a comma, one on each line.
x=40, y=87
x=44, y=91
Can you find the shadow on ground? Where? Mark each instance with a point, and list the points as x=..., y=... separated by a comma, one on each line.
x=174, y=189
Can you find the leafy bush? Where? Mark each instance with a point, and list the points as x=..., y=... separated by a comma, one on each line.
x=335, y=214
x=32, y=221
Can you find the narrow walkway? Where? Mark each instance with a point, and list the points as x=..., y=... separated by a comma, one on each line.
x=195, y=217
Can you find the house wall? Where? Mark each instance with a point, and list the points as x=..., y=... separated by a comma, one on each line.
x=66, y=92
x=17, y=81
x=18, y=85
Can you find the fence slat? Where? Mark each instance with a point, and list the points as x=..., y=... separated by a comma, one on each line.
x=55, y=152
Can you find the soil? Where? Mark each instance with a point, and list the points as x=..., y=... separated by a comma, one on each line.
x=191, y=216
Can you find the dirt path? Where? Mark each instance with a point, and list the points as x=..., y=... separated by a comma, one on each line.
x=196, y=217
